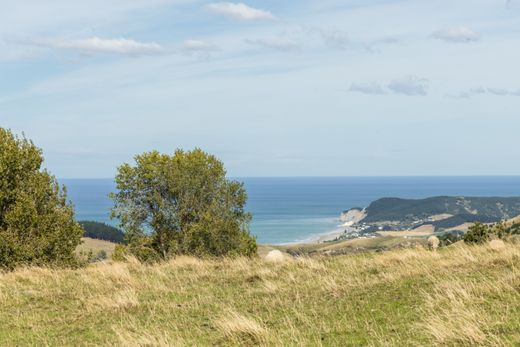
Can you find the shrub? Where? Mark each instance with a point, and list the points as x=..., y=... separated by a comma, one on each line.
x=514, y=229
x=101, y=255
x=37, y=225
x=120, y=253
x=478, y=233
x=451, y=237
x=481, y=233
x=181, y=204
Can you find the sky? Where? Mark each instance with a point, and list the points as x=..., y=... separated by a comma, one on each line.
x=273, y=88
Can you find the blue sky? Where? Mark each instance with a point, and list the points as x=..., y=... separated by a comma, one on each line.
x=292, y=88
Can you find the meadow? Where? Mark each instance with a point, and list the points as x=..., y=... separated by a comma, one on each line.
x=460, y=295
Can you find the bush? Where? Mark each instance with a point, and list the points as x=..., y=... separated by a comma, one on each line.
x=101, y=255
x=120, y=253
x=181, y=204
x=451, y=237
x=480, y=233
x=102, y=231
x=514, y=229
x=37, y=225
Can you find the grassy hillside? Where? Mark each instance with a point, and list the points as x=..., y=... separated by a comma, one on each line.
x=94, y=246
x=379, y=243
x=458, y=296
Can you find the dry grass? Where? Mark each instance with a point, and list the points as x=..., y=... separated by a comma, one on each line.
x=460, y=296
x=95, y=246
x=419, y=232
x=241, y=329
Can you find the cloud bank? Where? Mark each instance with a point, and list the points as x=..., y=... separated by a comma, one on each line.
x=460, y=34
x=240, y=11
x=276, y=43
x=407, y=85
x=99, y=45
x=410, y=86
x=371, y=88
x=485, y=91
x=199, y=46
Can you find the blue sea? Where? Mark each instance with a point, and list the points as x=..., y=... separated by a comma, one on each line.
x=293, y=209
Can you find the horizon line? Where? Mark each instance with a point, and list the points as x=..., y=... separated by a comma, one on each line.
x=333, y=176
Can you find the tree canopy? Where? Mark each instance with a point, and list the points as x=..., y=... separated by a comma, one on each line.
x=181, y=204
x=37, y=223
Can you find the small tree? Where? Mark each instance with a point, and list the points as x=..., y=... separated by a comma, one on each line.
x=181, y=204
x=37, y=225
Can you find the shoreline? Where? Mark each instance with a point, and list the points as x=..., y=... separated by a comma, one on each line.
x=319, y=238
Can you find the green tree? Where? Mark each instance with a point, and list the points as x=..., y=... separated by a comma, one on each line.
x=37, y=225
x=181, y=204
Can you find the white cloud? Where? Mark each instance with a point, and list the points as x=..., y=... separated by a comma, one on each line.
x=487, y=91
x=99, y=45
x=240, y=11
x=498, y=91
x=457, y=34
x=371, y=88
x=409, y=85
x=335, y=38
x=478, y=90
x=277, y=43
x=199, y=46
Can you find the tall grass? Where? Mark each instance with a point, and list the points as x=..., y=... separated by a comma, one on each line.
x=467, y=296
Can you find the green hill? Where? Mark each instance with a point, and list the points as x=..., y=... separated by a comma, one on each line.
x=442, y=211
x=102, y=231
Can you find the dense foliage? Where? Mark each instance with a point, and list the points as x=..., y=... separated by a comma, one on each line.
x=480, y=233
x=102, y=231
x=37, y=223
x=181, y=204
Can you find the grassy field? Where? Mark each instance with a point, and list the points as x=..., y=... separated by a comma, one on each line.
x=353, y=245
x=459, y=295
x=94, y=246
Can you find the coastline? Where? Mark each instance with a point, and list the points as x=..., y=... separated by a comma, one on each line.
x=331, y=236
x=320, y=238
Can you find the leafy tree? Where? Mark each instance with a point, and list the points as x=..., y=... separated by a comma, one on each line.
x=181, y=204
x=37, y=225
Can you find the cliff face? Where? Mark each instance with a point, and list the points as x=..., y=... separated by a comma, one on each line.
x=352, y=216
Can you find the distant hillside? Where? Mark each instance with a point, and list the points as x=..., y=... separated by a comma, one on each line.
x=102, y=231
x=442, y=212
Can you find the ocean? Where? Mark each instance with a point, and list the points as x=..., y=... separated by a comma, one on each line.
x=294, y=209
